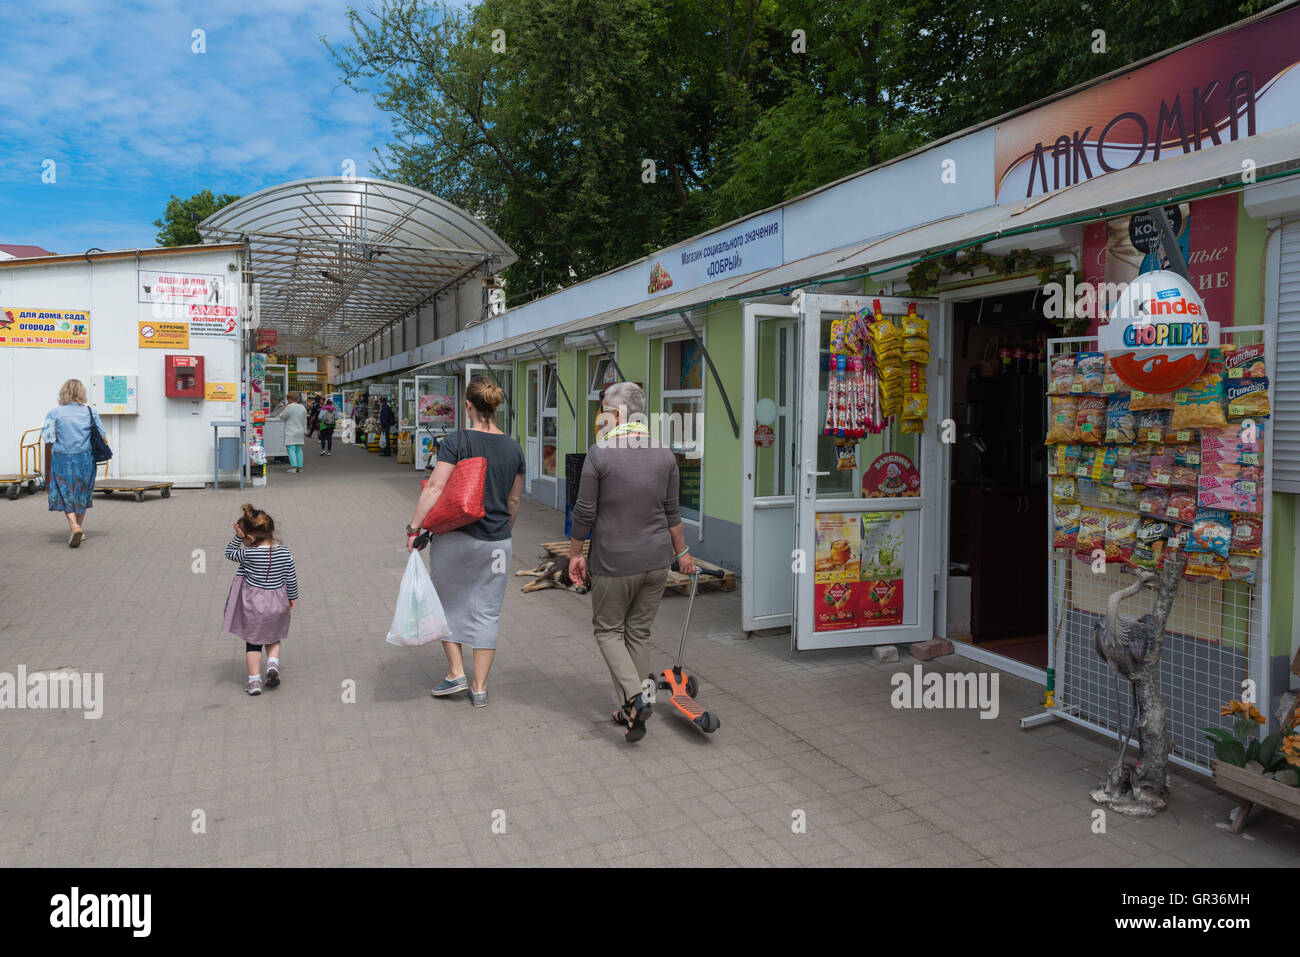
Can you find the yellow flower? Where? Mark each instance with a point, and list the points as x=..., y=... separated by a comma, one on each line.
x=1234, y=707
x=1253, y=714
x=1291, y=749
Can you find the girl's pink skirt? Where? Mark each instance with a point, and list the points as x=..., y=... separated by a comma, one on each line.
x=258, y=615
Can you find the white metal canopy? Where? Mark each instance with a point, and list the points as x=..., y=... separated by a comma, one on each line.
x=336, y=260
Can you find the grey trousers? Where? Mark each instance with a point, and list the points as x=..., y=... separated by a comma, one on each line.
x=623, y=610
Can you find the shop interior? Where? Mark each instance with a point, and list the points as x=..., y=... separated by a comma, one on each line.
x=997, y=585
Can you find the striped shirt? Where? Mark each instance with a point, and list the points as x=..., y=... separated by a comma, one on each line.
x=265, y=567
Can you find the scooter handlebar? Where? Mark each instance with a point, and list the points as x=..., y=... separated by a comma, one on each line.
x=714, y=572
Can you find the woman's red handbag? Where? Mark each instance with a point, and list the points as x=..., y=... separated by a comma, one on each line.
x=461, y=501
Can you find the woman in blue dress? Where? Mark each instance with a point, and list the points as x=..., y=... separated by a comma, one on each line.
x=69, y=463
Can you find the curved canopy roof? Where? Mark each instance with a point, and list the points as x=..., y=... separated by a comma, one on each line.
x=336, y=260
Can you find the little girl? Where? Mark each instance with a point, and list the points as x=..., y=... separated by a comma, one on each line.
x=261, y=596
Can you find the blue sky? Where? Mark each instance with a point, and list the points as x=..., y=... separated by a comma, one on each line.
x=112, y=92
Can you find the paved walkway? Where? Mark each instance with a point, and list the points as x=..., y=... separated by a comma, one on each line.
x=299, y=777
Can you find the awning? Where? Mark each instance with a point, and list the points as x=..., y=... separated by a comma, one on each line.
x=337, y=260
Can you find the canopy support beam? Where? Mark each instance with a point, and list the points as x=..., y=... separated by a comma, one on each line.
x=717, y=379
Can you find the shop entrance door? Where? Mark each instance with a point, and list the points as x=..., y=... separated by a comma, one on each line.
x=770, y=474
x=437, y=412
x=866, y=512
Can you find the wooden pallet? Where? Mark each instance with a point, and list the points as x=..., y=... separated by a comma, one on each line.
x=682, y=583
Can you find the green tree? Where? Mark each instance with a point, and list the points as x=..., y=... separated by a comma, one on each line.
x=178, y=226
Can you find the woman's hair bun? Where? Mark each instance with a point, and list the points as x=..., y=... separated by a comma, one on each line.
x=485, y=395
x=248, y=510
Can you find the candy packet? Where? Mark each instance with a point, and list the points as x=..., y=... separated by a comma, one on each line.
x=1121, y=423
x=1247, y=534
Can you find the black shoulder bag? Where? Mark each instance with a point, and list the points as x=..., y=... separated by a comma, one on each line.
x=98, y=446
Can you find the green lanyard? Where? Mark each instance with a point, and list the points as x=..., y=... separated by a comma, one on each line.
x=625, y=429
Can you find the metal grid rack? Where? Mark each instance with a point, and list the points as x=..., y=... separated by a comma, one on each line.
x=1216, y=637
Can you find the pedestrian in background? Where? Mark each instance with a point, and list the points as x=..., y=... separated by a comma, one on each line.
x=262, y=595
x=69, y=461
x=313, y=416
x=387, y=419
x=470, y=565
x=295, y=431
x=627, y=501
x=327, y=421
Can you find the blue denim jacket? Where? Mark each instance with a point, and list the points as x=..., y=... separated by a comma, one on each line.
x=67, y=427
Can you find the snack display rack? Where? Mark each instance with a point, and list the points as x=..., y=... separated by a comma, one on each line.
x=1218, y=632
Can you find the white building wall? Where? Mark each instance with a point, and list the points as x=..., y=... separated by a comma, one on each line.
x=170, y=439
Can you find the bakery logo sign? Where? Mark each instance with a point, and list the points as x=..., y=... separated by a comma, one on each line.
x=1226, y=88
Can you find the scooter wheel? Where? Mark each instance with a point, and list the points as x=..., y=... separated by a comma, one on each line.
x=708, y=722
x=692, y=685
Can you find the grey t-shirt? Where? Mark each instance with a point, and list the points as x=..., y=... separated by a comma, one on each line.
x=505, y=461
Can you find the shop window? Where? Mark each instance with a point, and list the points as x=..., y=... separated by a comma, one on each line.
x=549, y=419
x=682, y=405
x=600, y=375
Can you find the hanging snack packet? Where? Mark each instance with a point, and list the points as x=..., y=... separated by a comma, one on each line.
x=1235, y=495
x=1090, y=370
x=846, y=454
x=1121, y=424
x=1183, y=476
x=1153, y=501
x=1061, y=379
x=1061, y=420
x=1231, y=470
x=1121, y=536
x=1092, y=532
x=1065, y=491
x=1211, y=532
x=1181, y=507
x=1187, y=453
x=1200, y=404
x=1090, y=420
x=1248, y=399
x=1151, y=400
x=1242, y=568
x=914, y=327
x=1160, y=468
x=1071, y=464
x=1179, y=535
x=1247, y=534
x=914, y=405
x=913, y=426
x=1111, y=383
x=1229, y=445
x=1150, y=544
x=1065, y=520
x=1205, y=567
x=1152, y=424
x=1244, y=361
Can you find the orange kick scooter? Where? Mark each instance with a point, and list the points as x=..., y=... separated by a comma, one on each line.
x=681, y=685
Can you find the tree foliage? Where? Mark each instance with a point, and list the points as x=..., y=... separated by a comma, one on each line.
x=178, y=224
x=539, y=116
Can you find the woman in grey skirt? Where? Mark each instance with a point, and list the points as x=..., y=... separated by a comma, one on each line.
x=470, y=565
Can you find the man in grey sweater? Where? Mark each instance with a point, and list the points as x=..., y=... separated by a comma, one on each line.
x=627, y=500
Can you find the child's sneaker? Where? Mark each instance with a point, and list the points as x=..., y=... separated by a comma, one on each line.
x=273, y=673
x=254, y=685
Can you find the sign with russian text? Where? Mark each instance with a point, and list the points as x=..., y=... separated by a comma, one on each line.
x=752, y=245
x=214, y=322
x=181, y=287
x=220, y=391
x=26, y=327
x=164, y=335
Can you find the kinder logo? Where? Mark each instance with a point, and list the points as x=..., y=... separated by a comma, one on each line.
x=1173, y=307
x=131, y=911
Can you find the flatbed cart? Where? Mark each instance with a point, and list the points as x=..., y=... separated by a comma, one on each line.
x=31, y=474
x=133, y=486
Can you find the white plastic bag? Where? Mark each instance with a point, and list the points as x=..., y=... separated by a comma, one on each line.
x=419, y=618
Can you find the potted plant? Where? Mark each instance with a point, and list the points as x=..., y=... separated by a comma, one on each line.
x=1259, y=771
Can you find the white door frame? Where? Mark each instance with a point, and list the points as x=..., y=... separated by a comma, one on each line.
x=920, y=553
x=750, y=547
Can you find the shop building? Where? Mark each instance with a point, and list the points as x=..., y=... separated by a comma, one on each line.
x=737, y=325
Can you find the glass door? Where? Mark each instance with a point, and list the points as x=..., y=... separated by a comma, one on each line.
x=866, y=513
x=768, y=431
x=437, y=412
x=503, y=378
x=532, y=451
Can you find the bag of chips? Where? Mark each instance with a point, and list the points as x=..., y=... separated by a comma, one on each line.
x=1200, y=404
x=1089, y=371
x=1187, y=454
x=1121, y=536
x=1205, y=567
x=1181, y=507
x=1153, y=501
x=1150, y=544
x=914, y=405
x=1065, y=491
x=1183, y=476
x=1141, y=401
x=1244, y=361
x=1211, y=532
x=1121, y=424
x=1111, y=383
x=1247, y=534
x=1178, y=536
x=1061, y=379
x=1248, y=399
x=1242, y=568
x=1061, y=419
x=1092, y=532
x=916, y=327
x=1151, y=424
x=913, y=426
x=1090, y=420
x=1065, y=519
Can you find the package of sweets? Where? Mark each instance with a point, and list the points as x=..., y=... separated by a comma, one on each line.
x=1150, y=542
x=1188, y=453
x=1200, y=404
x=1234, y=495
x=1092, y=532
x=1072, y=455
x=1181, y=507
x=914, y=405
x=916, y=350
x=1112, y=384
x=1203, y=567
x=914, y=327
x=1090, y=420
x=1153, y=501
x=1121, y=536
x=1143, y=401
x=1160, y=467
x=1247, y=534
x=1242, y=568
x=1179, y=535
x=1113, y=495
x=1183, y=476
x=1061, y=419
x=1061, y=379
x=1244, y=361
x=1065, y=490
x=1231, y=470
x=1102, y=465
x=1089, y=371
x=1065, y=519
x=1121, y=424
x=1228, y=445
x=1248, y=399
x=1211, y=532
x=913, y=426
x=1152, y=424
